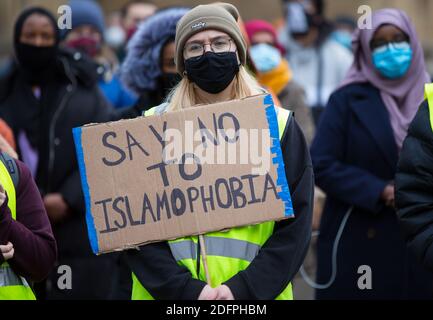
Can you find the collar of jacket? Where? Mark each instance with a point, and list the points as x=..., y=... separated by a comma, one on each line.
x=366, y=103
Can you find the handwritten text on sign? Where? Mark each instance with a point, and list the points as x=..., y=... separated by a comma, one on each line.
x=199, y=170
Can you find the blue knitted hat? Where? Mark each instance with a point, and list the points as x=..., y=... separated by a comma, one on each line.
x=86, y=12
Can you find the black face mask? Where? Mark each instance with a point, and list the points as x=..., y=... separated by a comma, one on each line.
x=168, y=81
x=35, y=59
x=213, y=72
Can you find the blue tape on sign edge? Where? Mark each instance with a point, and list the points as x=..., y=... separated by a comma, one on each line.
x=277, y=159
x=91, y=230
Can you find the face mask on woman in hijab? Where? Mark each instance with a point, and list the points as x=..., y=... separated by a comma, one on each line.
x=393, y=60
x=389, y=56
x=391, y=52
x=36, y=41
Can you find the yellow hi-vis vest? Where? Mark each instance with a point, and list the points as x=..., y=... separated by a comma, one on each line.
x=228, y=253
x=429, y=97
x=12, y=286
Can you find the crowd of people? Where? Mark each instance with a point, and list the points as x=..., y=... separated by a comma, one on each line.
x=347, y=98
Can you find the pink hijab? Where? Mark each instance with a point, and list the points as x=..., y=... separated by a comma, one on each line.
x=403, y=96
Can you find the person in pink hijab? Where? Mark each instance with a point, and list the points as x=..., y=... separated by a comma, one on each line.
x=402, y=91
x=355, y=155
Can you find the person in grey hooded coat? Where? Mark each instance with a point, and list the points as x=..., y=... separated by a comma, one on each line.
x=149, y=69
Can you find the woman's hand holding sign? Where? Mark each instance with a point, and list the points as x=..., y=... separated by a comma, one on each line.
x=220, y=293
x=208, y=293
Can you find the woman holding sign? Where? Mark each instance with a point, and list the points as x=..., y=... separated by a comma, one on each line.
x=253, y=262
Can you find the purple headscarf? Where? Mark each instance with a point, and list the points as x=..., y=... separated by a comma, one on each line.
x=402, y=96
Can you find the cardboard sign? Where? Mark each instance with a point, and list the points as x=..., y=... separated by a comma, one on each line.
x=189, y=172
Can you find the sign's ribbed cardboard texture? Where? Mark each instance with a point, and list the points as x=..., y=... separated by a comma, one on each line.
x=133, y=198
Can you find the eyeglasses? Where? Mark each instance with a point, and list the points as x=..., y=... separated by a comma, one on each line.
x=197, y=49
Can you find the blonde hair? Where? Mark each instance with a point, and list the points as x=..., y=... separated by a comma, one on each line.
x=183, y=95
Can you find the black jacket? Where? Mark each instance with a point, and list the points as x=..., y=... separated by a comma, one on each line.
x=277, y=262
x=70, y=100
x=355, y=156
x=414, y=188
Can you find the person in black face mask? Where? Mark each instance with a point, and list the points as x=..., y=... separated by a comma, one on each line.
x=36, y=49
x=211, y=57
x=149, y=69
x=212, y=71
x=47, y=92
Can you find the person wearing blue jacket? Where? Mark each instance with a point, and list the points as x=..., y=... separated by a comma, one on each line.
x=361, y=250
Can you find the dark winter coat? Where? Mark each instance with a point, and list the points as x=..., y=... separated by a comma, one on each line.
x=414, y=193
x=71, y=99
x=355, y=158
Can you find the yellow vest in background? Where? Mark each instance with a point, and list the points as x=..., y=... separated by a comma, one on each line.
x=12, y=286
x=429, y=97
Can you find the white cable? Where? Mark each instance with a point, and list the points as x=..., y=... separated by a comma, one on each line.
x=304, y=274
